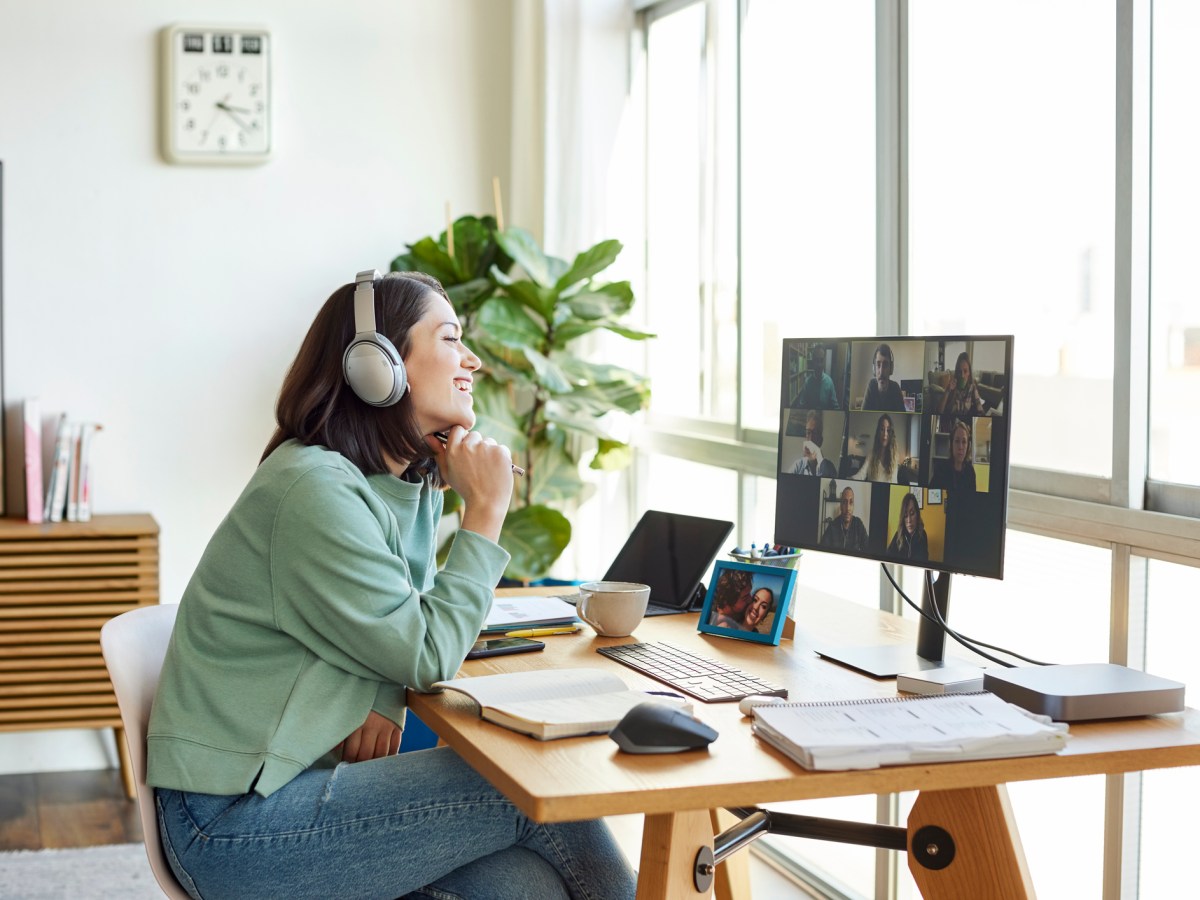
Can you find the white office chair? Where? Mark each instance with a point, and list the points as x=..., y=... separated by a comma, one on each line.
x=134, y=644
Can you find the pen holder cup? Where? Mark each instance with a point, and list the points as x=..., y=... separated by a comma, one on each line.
x=783, y=561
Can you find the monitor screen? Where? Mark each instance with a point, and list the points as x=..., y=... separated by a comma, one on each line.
x=896, y=449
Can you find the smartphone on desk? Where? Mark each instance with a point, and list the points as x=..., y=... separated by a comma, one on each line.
x=501, y=646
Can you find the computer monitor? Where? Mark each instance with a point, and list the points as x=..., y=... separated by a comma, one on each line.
x=896, y=449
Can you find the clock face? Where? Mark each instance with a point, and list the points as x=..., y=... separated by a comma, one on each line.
x=216, y=93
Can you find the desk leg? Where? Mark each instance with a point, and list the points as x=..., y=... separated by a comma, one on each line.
x=988, y=862
x=670, y=842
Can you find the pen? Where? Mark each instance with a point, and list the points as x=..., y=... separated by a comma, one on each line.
x=441, y=436
x=542, y=632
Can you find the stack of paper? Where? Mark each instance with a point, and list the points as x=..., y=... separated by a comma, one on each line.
x=508, y=613
x=890, y=731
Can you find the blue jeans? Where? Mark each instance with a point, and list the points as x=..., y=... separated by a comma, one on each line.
x=421, y=825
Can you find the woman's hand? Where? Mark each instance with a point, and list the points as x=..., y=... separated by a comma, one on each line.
x=480, y=470
x=376, y=737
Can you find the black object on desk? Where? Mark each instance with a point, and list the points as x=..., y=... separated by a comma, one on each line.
x=670, y=552
x=657, y=728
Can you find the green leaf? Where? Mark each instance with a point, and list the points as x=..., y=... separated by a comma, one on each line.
x=608, y=396
x=525, y=252
x=540, y=300
x=589, y=262
x=431, y=258
x=496, y=418
x=607, y=301
x=630, y=333
x=553, y=474
x=576, y=416
x=475, y=247
x=506, y=322
x=611, y=455
x=470, y=295
x=535, y=536
x=451, y=502
x=570, y=330
x=549, y=375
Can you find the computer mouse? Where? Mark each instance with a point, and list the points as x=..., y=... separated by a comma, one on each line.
x=658, y=728
x=747, y=704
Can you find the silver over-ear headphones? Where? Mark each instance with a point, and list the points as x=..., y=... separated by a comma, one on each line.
x=371, y=364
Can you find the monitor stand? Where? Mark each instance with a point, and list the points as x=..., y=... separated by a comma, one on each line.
x=889, y=660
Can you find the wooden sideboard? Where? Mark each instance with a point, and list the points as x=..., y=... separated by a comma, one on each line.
x=59, y=582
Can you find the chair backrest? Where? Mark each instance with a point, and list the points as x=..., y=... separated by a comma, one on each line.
x=134, y=644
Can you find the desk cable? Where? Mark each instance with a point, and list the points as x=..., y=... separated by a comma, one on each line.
x=938, y=619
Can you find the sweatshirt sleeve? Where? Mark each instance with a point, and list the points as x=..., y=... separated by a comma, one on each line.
x=339, y=589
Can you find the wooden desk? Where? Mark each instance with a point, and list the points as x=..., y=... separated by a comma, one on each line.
x=587, y=777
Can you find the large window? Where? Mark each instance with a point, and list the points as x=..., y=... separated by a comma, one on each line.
x=936, y=167
x=1175, y=226
x=1010, y=163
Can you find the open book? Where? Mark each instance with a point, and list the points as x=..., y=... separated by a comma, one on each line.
x=555, y=703
x=890, y=731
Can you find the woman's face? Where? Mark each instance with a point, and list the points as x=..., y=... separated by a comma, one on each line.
x=440, y=369
x=909, y=515
x=958, y=447
x=757, y=611
x=885, y=433
x=964, y=372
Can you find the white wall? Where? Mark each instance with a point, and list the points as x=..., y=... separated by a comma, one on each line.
x=167, y=301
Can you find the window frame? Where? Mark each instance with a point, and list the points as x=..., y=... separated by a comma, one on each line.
x=1127, y=512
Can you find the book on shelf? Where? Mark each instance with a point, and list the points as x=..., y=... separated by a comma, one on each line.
x=31, y=424
x=56, y=493
x=893, y=731
x=556, y=703
x=69, y=490
x=508, y=613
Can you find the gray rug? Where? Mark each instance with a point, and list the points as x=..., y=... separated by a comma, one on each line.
x=91, y=873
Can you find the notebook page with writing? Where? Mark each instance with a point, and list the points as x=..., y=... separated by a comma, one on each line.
x=866, y=734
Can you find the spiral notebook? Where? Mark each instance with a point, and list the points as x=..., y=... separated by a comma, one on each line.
x=895, y=731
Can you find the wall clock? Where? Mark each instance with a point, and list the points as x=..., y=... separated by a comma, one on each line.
x=216, y=94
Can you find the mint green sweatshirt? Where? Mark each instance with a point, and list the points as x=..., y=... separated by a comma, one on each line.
x=316, y=601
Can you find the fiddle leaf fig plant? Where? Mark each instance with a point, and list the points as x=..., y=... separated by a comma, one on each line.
x=522, y=310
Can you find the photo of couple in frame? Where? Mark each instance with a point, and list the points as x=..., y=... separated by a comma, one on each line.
x=748, y=601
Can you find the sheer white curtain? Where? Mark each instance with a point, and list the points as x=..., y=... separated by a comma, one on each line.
x=576, y=180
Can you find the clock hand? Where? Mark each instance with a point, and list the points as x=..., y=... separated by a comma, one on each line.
x=228, y=111
x=229, y=108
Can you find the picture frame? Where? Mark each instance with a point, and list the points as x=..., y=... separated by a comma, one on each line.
x=935, y=496
x=735, y=592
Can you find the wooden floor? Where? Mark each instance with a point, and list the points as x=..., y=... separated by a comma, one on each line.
x=52, y=810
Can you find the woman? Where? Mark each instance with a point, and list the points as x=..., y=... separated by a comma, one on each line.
x=962, y=395
x=762, y=604
x=910, y=540
x=958, y=472
x=883, y=459
x=272, y=743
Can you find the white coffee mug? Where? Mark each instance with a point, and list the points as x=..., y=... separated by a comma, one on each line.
x=613, y=608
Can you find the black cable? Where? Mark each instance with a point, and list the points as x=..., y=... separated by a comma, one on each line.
x=970, y=643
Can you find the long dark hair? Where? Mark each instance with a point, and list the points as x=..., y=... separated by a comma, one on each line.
x=316, y=406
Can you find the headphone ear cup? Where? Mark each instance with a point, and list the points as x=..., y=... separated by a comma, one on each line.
x=374, y=370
